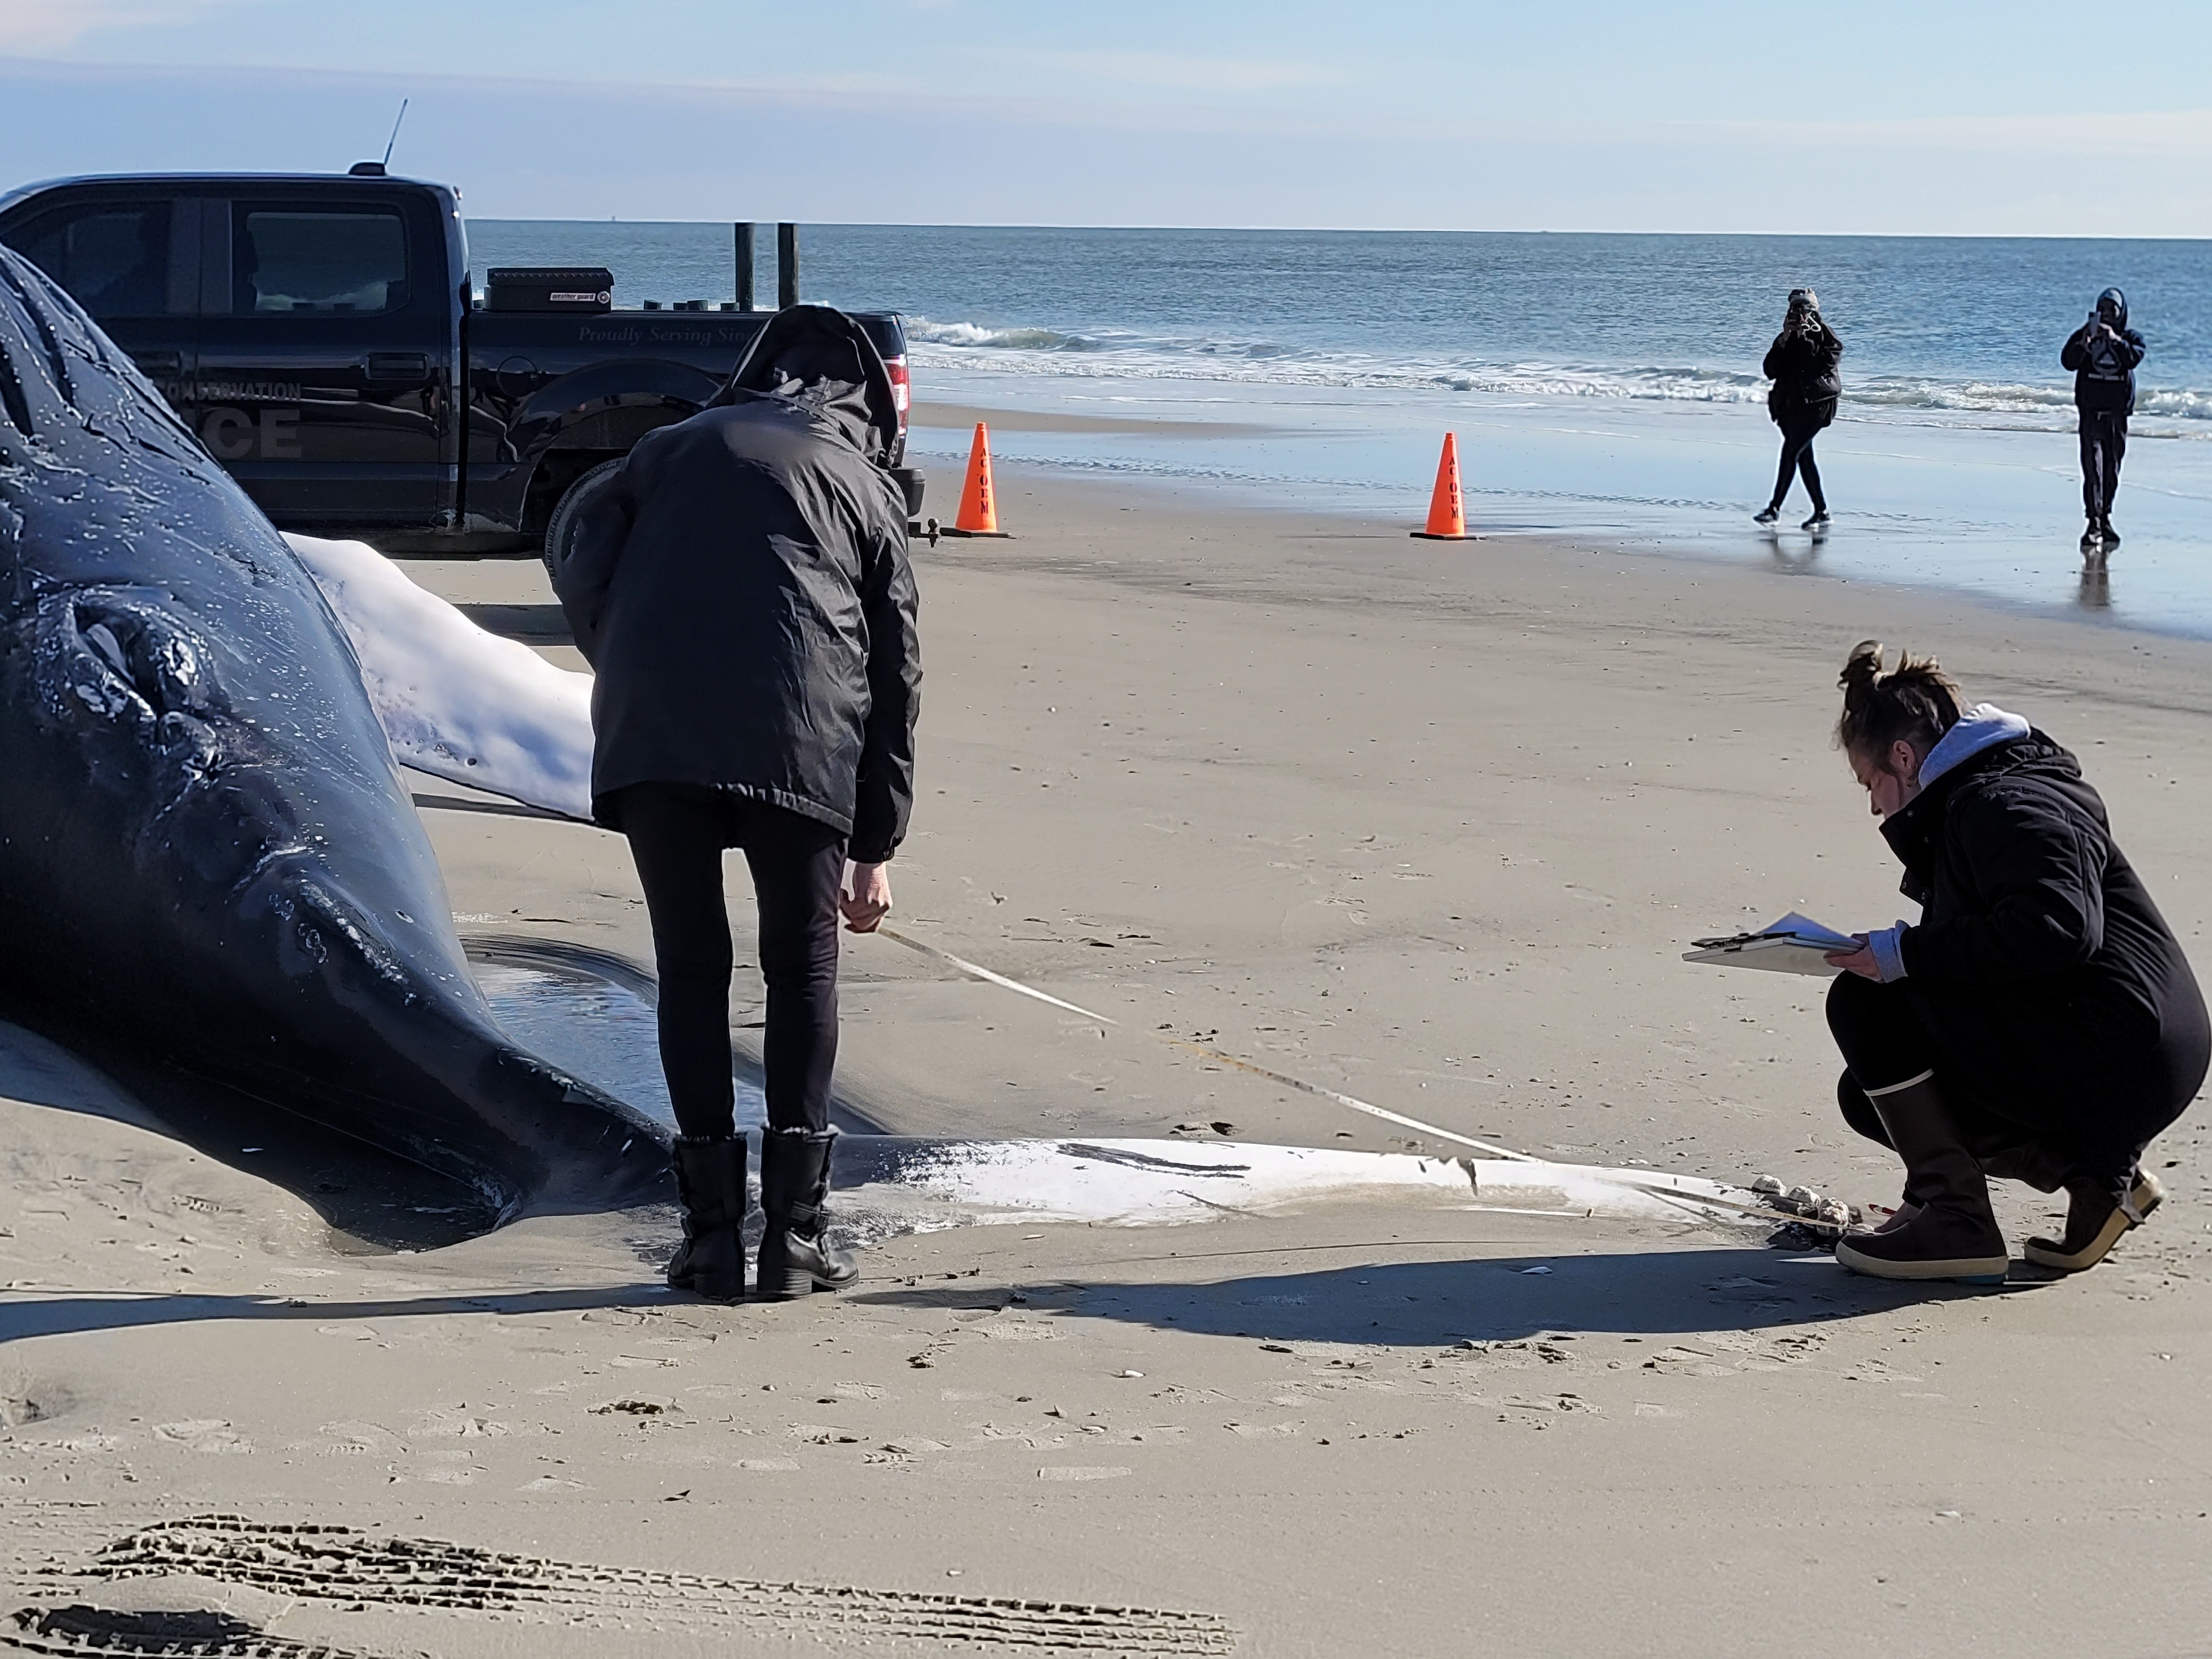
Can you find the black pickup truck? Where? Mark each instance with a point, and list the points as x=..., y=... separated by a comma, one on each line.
x=320, y=333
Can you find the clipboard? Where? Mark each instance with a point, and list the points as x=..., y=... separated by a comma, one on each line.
x=1795, y=945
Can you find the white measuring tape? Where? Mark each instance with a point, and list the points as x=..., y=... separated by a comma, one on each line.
x=1688, y=1200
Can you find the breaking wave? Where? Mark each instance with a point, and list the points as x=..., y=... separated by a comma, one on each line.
x=1119, y=355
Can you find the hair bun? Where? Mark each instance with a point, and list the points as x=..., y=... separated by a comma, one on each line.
x=1916, y=700
x=1862, y=673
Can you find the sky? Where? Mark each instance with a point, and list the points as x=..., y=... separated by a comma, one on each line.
x=1869, y=117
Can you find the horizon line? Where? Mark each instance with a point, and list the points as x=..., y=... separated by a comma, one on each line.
x=1336, y=230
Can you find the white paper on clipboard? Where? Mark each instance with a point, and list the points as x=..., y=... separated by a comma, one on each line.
x=1795, y=945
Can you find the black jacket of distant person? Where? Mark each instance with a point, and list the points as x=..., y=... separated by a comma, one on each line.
x=2104, y=368
x=742, y=591
x=1803, y=364
x=2040, y=958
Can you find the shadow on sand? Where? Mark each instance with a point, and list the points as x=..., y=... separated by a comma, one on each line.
x=63, y=1315
x=1416, y=1305
x=1402, y=1304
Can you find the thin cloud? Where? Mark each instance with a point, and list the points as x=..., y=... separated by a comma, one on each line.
x=45, y=26
x=2167, y=133
x=1158, y=71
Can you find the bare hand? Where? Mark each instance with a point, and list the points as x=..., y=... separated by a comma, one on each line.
x=866, y=898
x=1860, y=962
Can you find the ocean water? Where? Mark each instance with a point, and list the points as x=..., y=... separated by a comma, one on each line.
x=1602, y=386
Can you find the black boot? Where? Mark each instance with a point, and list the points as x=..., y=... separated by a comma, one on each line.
x=710, y=1180
x=1955, y=1234
x=2097, y=1213
x=796, y=1256
x=2106, y=533
x=2044, y=1167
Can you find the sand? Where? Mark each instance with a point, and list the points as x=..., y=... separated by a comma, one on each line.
x=1427, y=824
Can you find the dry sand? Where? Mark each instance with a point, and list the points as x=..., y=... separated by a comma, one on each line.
x=1426, y=823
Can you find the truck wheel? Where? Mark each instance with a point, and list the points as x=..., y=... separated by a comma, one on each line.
x=561, y=529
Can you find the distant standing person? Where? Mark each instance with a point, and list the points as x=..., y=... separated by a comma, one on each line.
x=2103, y=354
x=1801, y=364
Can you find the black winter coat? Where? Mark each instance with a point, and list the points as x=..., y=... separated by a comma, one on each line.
x=1806, y=385
x=2039, y=956
x=2109, y=385
x=743, y=592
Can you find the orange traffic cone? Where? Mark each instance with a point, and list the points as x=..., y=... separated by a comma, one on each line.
x=1446, y=512
x=979, y=502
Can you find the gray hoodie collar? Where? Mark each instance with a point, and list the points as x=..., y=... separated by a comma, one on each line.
x=1983, y=726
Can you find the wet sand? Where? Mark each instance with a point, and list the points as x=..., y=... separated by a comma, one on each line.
x=1427, y=824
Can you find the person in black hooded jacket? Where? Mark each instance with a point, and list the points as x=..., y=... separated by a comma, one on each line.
x=2103, y=353
x=1802, y=363
x=740, y=585
x=2039, y=1022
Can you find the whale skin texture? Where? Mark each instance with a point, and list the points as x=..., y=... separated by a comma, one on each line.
x=208, y=855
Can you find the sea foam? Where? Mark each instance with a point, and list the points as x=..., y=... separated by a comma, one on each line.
x=1122, y=354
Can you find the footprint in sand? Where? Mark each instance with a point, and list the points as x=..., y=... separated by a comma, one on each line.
x=208, y=1435
x=459, y=1422
x=358, y=1440
x=444, y=1468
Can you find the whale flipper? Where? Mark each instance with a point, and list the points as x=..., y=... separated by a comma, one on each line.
x=455, y=701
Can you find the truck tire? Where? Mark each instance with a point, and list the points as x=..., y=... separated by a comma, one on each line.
x=561, y=529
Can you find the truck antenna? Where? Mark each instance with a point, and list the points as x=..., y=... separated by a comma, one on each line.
x=394, y=139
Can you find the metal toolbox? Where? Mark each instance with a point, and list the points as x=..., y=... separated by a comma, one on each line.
x=577, y=288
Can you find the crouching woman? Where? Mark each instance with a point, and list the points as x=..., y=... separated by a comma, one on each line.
x=2039, y=1023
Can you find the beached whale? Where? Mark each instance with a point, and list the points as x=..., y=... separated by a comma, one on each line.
x=207, y=852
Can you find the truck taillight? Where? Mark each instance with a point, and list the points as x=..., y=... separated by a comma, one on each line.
x=900, y=395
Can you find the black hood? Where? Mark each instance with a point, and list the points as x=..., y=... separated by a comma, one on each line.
x=818, y=356
x=2113, y=301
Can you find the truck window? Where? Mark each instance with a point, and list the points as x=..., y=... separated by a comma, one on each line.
x=320, y=263
x=112, y=256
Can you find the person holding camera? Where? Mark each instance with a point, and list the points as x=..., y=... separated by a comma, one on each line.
x=1801, y=364
x=2103, y=354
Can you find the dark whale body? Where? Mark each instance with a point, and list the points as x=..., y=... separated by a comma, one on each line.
x=207, y=853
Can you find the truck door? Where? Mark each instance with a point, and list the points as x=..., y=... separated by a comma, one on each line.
x=131, y=261
x=326, y=367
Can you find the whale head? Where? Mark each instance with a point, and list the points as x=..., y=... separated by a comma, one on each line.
x=206, y=845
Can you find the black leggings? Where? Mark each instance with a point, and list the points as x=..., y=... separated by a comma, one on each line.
x=676, y=836
x=2055, y=1117
x=1798, y=458
x=2103, y=446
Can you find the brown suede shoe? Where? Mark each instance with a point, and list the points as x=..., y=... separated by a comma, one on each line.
x=2094, y=1221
